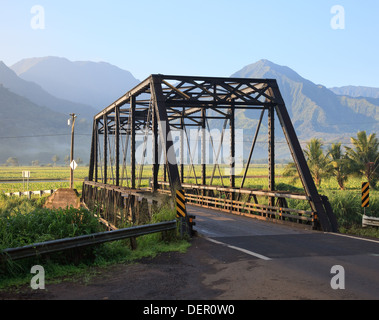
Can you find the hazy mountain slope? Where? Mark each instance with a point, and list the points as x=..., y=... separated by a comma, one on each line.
x=33, y=92
x=356, y=91
x=31, y=132
x=97, y=84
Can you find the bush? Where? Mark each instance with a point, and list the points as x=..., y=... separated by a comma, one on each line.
x=347, y=207
x=26, y=224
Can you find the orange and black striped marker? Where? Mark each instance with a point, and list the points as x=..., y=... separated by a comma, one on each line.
x=180, y=204
x=365, y=195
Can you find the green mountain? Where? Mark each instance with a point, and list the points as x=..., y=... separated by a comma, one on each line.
x=315, y=110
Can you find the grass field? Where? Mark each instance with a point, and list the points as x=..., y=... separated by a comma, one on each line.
x=41, y=178
x=346, y=202
x=45, y=178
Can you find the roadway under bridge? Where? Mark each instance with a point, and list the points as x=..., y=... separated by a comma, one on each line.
x=149, y=126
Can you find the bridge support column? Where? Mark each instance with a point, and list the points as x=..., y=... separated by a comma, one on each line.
x=117, y=145
x=203, y=149
x=133, y=140
x=105, y=127
x=271, y=153
x=232, y=147
x=165, y=134
x=156, y=154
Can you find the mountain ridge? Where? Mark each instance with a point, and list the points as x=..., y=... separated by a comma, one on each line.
x=36, y=94
x=96, y=84
x=314, y=109
x=356, y=91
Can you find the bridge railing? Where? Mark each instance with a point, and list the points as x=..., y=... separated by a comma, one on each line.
x=119, y=205
x=230, y=200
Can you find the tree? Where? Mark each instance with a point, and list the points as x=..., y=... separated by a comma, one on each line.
x=364, y=156
x=67, y=160
x=12, y=162
x=318, y=163
x=55, y=159
x=290, y=170
x=339, y=164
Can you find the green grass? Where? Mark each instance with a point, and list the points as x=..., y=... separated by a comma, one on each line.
x=42, y=173
x=24, y=222
x=37, y=177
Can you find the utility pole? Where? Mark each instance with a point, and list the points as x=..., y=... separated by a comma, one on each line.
x=72, y=122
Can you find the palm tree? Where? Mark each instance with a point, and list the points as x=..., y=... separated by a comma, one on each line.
x=364, y=156
x=290, y=171
x=339, y=164
x=318, y=163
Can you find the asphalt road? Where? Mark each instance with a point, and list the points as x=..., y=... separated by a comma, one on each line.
x=293, y=263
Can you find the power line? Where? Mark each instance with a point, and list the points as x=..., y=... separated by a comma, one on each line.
x=44, y=135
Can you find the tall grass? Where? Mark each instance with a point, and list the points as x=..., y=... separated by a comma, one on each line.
x=24, y=222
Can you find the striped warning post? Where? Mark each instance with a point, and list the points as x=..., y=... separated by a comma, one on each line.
x=180, y=204
x=365, y=195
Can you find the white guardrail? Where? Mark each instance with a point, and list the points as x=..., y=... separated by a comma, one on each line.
x=370, y=221
x=29, y=193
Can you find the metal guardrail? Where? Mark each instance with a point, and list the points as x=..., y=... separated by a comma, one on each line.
x=86, y=240
x=370, y=221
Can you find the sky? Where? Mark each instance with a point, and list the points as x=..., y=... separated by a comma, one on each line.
x=330, y=42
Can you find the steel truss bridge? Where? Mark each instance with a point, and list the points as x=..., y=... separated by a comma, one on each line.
x=147, y=117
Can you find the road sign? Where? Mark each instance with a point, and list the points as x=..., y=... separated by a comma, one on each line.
x=365, y=195
x=73, y=165
x=26, y=174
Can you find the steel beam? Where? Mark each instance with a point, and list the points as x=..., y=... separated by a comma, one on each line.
x=300, y=161
x=271, y=152
x=117, y=145
x=105, y=145
x=93, y=152
x=232, y=146
x=133, y=140
x=203, y=148
x=156, y=154
x=165, y=133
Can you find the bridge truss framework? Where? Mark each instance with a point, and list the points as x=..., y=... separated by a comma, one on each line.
x=162, y=104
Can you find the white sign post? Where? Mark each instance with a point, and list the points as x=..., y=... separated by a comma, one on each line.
x=25, y=174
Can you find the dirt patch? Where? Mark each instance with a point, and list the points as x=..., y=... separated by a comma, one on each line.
x=63, y=198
